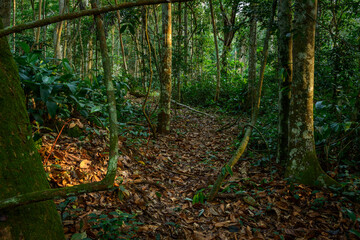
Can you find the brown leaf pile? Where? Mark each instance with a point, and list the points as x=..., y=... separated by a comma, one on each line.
x=160, y=177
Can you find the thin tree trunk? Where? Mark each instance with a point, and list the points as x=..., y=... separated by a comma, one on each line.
x=165, y=84
x=121, y=41
x=243, y=144
x=285, y=69
x=37, y=35
x=217, y=92
x=178, y=69
x=45, y=29
x=252, y=62
x=110, y=90
x=89, y=61
x=57, y=32
x=65, y=39
x=14, y=22
x=186, y=45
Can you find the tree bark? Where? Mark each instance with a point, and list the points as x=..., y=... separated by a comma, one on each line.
x=285, y=69
x=229, y=33
x=110, y=90
x=217, y=92
x=14, y=22
x=303, y=165
x=21, y=170
x=58, y=31
x=37, y=35
x=89, y=60
x=165, y=79
x=178, y=68
x=186, y=45
x=120, y=39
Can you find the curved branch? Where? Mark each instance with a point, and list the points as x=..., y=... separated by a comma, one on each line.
x=74, y=15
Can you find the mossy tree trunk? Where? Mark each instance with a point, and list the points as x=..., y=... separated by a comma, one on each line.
x=303, y=165
x=165, y=77
x=21, y=170
x=285, y=68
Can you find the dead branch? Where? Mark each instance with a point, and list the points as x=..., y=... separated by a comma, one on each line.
x=192, y=109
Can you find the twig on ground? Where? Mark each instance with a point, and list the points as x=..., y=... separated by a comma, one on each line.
x=192, y=109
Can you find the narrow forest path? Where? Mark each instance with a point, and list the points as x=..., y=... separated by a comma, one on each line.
x=160, y=178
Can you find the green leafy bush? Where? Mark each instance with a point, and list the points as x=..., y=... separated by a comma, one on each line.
x=115, y=225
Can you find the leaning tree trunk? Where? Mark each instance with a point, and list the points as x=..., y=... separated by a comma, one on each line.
x=165, y=85
x=303, y=165
x=21, y=170
x=285, y=65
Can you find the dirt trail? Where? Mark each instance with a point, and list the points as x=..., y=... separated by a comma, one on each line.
x=161, y=177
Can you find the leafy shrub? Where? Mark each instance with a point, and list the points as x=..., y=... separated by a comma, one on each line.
x=115, y=225
x=55, y=90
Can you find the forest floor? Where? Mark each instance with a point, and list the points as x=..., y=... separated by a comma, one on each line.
x=158, y=178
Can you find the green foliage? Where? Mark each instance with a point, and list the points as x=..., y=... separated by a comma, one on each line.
x=58, y=91
x=68, y=209
x=201, y=93
x=115, y=225
x=199, y=197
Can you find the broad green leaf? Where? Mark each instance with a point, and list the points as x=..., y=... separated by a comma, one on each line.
x=51, y=107
x=123, y=28
x=25, y=47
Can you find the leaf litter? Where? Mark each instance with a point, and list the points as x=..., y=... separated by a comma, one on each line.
x=157, y=180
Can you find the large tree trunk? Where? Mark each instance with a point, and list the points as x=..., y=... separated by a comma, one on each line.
x=165, y=85
x=303, y=165
x=21, y=170
x=285, y=68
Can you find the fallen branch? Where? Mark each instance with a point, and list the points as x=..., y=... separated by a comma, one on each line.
x=192, y=109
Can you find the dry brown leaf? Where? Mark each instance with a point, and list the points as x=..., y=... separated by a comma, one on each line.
x=85, y=164
x=222, y=224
